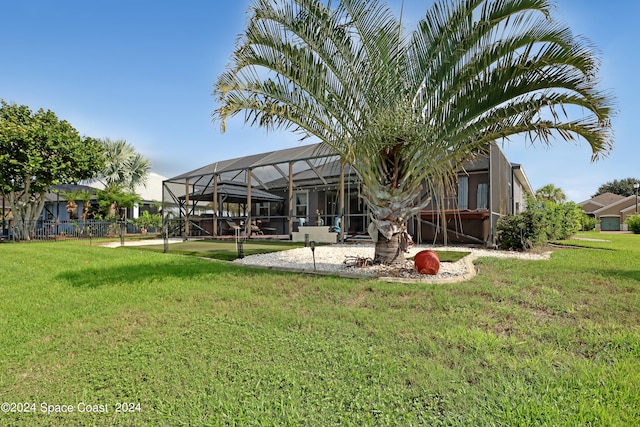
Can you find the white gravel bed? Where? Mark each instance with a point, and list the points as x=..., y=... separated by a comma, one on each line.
x=331, y=259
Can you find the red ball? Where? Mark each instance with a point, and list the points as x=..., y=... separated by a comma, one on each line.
x=427, y=262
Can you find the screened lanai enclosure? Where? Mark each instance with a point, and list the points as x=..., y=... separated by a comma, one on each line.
x=272, y=195
x=266, y=195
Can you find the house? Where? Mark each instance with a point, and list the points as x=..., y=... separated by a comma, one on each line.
x=488, y=188
x=592, y=205
x=611, y=210
x=308, y=186
x=150, y=194
x=58, y=211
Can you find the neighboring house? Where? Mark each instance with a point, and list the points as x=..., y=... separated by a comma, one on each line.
x=55, y=207
x=282, y=190
x=611, y=210
x=150, y=193
x=592, y=205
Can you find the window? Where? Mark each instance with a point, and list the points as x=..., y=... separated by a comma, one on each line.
x=463, y=192
x=483, y=196
x=263, y=209
x=301, y=204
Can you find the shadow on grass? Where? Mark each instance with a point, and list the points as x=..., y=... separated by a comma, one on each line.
x=222, y=250
x=123, y=275
x=627, y=274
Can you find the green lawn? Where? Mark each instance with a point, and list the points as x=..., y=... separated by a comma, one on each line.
x=227, y=250
x=199, y=342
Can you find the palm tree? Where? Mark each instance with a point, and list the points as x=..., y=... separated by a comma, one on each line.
x=551, y=193
x=406, y=109
x=124, y=169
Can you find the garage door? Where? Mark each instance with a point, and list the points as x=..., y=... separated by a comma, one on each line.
x=610, y=223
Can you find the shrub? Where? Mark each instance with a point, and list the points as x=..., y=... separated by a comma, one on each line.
x=511, y=232
x=571, y=220
x=148, y=220
x=519, y=231
x=541, y=222
x=587, y=223
x=633, y=222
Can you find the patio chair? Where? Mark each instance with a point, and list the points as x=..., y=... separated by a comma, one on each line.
x=230, y=227
x=255, y=227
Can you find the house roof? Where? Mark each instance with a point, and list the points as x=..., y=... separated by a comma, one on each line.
x=311, y=165
x=234, y=193
x=57, y=192
x=620, y=204
x=522, y=178
x=270, y=158
x=603, y=199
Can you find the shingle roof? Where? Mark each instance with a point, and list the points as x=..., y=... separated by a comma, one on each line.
x=607, y=198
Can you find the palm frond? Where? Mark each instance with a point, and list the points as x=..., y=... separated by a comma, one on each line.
x=406, y=110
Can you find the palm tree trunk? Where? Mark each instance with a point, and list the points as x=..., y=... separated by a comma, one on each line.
x=392, y=241
x=390, y=251
x=72, y=208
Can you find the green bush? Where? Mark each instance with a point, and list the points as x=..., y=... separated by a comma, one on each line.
x=588, y=223
x=633, y=222
x=541, y=222
x=513, y=232
x=147, y=220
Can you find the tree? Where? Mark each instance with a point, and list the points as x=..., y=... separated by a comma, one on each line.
x=37, y=150
x=73, y=197
x=551, y=193
x=405, y=110
x=623, y=187
x=124, y=169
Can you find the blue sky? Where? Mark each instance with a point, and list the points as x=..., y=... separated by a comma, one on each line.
x=143, y=71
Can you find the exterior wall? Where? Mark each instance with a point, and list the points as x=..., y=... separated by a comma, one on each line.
x=621, y=208
x=519, y=200
x=627, y=212
x=500, y=199
x=475, y=179
x=462, y=227
x=501, y=179
x=590, y=207
x=58, y=210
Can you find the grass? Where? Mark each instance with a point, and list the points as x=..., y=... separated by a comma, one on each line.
x=225, y=249
x=198, y=342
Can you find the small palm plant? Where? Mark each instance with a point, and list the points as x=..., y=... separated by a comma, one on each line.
x=147, y=221
x=73, y=197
